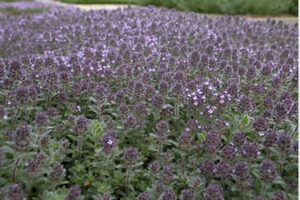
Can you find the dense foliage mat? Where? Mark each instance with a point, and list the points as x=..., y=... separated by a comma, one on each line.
x=147, y=103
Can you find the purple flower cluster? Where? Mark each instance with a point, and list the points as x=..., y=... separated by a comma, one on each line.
x=74, y=193
x=109, y=141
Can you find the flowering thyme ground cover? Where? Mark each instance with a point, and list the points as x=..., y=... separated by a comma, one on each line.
x=147, y=103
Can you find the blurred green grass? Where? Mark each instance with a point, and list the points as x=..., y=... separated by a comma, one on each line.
x=14, y=11
x=233, y=7
x=11, y=0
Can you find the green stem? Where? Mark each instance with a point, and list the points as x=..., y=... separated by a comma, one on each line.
x=160, y=151
x=241, y=191
x=8, y=93
x=48, y=100
x=100, y=111
x=15, y=119
x=194, y=113
x=155, y=117
x=40, y=132
x=185, y=156
x=80, y=145
x=281, y=164
x=177, y=109
x=265, y=190
x=13, y=177
x=87, y=106
x=129, y=168
x=31, y=113
x=108, y=167
x=48, y=97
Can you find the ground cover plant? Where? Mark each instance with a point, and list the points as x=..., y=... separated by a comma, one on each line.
x=147, y=103
x=254, y=7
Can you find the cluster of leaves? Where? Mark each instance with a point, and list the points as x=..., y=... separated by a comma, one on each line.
x=147, y=103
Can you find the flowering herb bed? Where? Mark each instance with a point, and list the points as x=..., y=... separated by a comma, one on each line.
x=147, y=103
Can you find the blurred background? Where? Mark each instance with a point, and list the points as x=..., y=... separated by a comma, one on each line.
x=286, y=10
x=233, y=7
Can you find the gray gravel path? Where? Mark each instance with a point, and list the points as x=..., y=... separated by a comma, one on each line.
x=84, y=7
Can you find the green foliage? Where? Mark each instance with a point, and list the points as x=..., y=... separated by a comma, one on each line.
x=294, y=8
x=15, y=11
x=256, y=7
x=54, y=195
x=8, y=0
x=245, y=120
x=201, y=136
x=96, y=129
x=260, y=7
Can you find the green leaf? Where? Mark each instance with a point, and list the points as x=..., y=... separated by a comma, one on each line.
x=102, y=187
x=257, y=186
x=54, y=195
x=245, y=120
x=138, y=164
x=96, y=129
x=153, y=147
x=172, y=142
x=279, y=181
x=92, y=109
x=93, y=99
x=152, y=135
x=201, y=136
